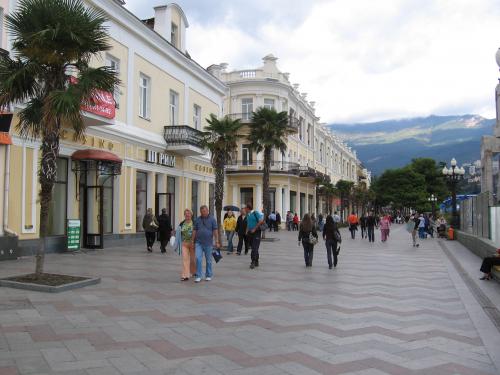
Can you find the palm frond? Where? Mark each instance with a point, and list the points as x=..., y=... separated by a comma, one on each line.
x=30, y=119
x=18, y=80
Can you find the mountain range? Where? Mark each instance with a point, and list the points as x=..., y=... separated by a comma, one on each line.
x=394, y=143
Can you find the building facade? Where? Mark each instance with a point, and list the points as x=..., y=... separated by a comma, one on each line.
x=142, y=145
x=312, y=151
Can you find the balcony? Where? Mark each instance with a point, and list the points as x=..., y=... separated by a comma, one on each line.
x=246, y=118
x=278, y=167
x=183, y=140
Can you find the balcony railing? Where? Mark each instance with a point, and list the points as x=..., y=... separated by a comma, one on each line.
x=246, y=118
x=183, y=139
x=243, y=166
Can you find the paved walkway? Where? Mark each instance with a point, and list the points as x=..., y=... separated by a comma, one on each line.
x=386, y=309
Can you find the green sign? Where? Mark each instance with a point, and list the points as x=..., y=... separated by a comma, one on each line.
x=73, y=234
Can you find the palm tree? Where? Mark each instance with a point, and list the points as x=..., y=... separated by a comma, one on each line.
x=221, y=139
x=269, y=130
x=50, y=38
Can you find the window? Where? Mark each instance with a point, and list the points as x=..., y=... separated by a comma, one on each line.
x=114, y=64
x=269, y=103
x=246, y=153
x=246, y=108
x=174, y=32
x=144, y=96
x=141, y=199
x=58, y=204
x=174, y=108
x=194, y=197
x=197, y=116
x=246, y=196
x=309, y=135
x=301, y=128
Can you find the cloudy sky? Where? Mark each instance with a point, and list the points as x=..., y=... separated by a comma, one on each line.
x=360, y=60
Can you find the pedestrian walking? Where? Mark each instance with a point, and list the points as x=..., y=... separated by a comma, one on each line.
x=255, y=219
x=352, y=219
x=150, y=226
x=308, y=236
x=385, y=223
x=421, y=226
x=332, y=238
x=164, y=230
x=205, y=233
x=278, y=221
x=296, y=221
x=336, y=217
x=272, y=221
x=488, y=264
x=362, y=224
x=241, y=230
x=371, y=223
x=321, y=222
x=411, y=227
x=229, y=229
x=289, y=221
x=185, y=246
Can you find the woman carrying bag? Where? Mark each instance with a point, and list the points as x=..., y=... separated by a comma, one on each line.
x=332, y=238
x=184, y=245
x=309, y=237
x=150, y=226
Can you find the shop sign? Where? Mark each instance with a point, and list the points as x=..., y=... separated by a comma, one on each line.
x=104, y=103
x=160, y=158
x=73, y=233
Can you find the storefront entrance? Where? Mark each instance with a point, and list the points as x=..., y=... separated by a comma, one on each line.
x=165, y=200
x=95, y=171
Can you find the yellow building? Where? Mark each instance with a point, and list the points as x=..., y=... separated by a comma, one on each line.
x=142, y=146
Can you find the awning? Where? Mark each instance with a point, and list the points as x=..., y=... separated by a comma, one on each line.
x=96, y=155
x=5, y=138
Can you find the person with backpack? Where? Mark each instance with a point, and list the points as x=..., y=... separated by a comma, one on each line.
x=255, y=221
x=164, y=230
x=332, y=238
x=308, y=237
x=150, y=226
x=241, y=230
x=352, y=219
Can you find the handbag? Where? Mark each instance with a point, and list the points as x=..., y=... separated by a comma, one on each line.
x=153, y=224
x=263, y=227
x=338, y=250
x=172, y=241
x=337, y=236
x=312, y=240
x=217, y=255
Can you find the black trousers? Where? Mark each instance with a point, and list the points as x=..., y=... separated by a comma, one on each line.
x=150, y=238
x=242, y=239
x=331, y=249
x=371, y=234
x=488, y=263
x=308, y=253
x=254, y=239
x=363, y=232
x=353, y=229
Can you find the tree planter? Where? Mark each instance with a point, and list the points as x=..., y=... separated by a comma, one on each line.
x=49, y=283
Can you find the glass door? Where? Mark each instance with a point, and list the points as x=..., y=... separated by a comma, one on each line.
x=164, y=200
x=93, y=229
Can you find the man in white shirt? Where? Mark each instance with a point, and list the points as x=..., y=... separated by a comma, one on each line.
x=336, y=217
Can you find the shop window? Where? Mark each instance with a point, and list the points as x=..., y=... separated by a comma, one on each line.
x=293, y=201
x=302, y=204
x=246, y=195
x=141, y=199
x=194, y=197
x=59, y=202
x=107, y=182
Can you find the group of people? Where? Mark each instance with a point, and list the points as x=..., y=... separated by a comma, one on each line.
x=194, y=238
x=292, y=221
x=308, y=238
x=368, y=223
x=423, y=225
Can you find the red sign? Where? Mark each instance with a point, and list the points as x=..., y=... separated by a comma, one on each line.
x=104, y=103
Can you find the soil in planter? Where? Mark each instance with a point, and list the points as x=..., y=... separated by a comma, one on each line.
x=49, y=279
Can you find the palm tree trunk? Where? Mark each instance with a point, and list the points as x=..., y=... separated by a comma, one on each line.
x=219, y=191
x=46, y=177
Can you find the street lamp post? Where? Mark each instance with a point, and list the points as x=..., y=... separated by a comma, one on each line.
x=453, y=175
x=433, y=199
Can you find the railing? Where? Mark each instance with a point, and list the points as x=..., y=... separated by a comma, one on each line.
x=243, y=166
x=182, y=135
x=246, y=118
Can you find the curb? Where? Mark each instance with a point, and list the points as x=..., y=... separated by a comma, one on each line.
x=48, y=288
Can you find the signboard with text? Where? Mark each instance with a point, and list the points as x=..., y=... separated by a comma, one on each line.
x=104, y=103
x=160, y=158
x=73, y=234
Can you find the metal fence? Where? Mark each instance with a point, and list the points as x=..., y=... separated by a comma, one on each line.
x=475, y=215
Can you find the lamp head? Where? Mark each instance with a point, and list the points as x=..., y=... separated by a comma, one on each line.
x=445, y=171
x=453, y=162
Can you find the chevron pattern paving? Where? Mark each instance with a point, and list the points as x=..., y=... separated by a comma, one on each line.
x=386, y=309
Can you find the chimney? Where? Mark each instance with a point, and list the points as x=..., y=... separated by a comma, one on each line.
x=162, y=23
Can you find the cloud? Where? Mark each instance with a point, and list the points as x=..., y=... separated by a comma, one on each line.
x=360, y=60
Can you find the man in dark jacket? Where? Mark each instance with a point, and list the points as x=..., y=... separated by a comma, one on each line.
x=371, y=223
x=164, y=230
x=241, y=230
